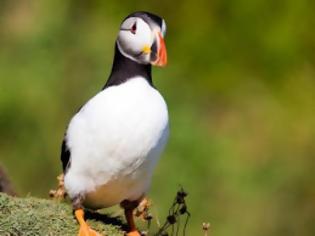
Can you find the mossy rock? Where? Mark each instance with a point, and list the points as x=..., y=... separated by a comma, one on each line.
x=32, y=216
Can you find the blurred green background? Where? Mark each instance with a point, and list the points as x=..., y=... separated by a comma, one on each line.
x=240, y=86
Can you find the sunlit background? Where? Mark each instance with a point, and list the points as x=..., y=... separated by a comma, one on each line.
x=240, y=86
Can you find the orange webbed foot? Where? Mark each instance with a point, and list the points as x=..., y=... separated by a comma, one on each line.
x=133, y=233
x=85, y=229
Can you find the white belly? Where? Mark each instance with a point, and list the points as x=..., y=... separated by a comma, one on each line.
x=115, y=142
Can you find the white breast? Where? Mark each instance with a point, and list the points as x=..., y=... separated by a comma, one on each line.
x=115, y=141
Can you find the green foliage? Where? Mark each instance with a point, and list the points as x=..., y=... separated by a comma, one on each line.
x=239, y=86
x=33, y=216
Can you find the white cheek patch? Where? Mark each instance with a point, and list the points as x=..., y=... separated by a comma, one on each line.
x=134, y=43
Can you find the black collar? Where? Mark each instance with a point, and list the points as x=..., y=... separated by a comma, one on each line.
x=124, y=69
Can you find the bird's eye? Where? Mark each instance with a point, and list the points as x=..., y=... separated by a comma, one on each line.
x=133, y=28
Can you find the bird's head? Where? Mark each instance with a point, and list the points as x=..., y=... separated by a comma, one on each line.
x=141, y=38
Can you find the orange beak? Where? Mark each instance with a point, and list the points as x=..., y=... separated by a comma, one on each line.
x=161, y=52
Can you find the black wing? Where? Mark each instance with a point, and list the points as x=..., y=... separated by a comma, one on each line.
x=65, y=152
x=65, y=156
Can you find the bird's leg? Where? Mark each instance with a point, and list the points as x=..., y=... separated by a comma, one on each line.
x=128, y=207
x=60, y=192
x=85, y=229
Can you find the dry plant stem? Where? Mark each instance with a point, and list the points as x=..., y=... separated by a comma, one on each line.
x=60, y=192
x=5, y=184
x=142, y=209
x=205, y=228
x=178, y=209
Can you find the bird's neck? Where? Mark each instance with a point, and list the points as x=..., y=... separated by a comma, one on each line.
x=124, y=69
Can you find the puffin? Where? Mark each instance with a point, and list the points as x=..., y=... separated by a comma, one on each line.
x=113, y=143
